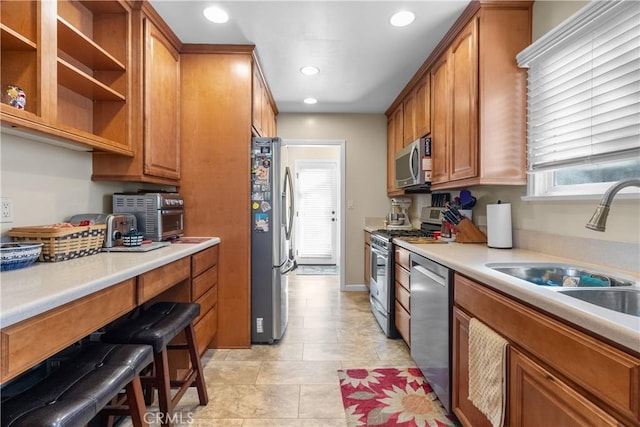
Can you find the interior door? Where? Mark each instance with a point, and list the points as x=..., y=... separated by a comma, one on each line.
x=316, y=192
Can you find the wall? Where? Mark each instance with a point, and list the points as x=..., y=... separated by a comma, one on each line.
x=48, y=184
x=366, y=182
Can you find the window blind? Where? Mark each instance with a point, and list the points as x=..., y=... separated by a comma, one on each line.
x=316, y=186
x=583, y=88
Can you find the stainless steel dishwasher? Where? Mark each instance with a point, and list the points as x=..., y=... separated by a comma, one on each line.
x=431, y=308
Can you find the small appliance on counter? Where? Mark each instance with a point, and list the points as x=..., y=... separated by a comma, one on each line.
x=398, y=218
x=160, y=215
x=117, y=225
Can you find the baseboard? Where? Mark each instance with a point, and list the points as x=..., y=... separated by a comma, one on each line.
x=356, y=287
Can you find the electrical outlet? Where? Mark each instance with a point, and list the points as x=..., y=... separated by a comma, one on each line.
x=6, y=205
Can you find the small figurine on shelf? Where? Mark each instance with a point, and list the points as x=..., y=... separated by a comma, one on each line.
x=14, y=96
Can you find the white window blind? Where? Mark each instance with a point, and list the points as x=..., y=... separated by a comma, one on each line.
x=316, y=193
x=583, y=88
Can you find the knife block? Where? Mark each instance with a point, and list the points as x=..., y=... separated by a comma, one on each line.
x=469, y=233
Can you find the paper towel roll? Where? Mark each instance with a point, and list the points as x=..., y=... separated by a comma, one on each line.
x=499, y=226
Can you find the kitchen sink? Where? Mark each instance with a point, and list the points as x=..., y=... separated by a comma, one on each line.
x=561, y=275
x=623, y=300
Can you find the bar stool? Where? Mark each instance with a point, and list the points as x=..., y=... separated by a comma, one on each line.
x=83, y=386
x=157, y=326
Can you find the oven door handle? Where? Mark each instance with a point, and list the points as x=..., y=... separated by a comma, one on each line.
x=377, y=251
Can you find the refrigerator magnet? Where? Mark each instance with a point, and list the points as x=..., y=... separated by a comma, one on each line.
x=257, y=196
x=265, y=206
x=261, y=222
x=262, y=173
x=255, y=205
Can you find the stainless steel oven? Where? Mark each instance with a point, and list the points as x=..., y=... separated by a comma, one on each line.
x=160, y=216
x=381, y=284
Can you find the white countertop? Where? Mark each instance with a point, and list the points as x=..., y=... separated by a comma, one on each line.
x=45, y=285
x=469, y=259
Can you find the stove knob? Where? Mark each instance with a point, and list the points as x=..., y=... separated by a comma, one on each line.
x=180, y=202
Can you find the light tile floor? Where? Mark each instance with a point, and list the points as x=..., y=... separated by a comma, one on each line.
x=294, y=383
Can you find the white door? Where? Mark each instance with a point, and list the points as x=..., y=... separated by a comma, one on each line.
x=316, y=211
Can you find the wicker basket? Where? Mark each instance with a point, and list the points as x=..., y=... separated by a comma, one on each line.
x=61, y=244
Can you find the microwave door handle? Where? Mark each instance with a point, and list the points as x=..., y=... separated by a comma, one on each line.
x=415, y=162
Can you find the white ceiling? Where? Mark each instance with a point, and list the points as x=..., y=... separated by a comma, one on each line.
x=364, y=62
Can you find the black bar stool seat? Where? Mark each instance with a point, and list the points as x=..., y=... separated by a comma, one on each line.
x=77, y=391
x=157, y=326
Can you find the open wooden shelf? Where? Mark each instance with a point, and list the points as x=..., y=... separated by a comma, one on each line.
x=85, y=50
x=85, y=85
x=12, y=40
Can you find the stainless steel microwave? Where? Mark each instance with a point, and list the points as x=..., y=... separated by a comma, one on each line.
x=411, y=173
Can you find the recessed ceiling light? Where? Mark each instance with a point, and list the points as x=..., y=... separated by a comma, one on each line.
x=309, y=70
x=215, y=14
x=402, y=18
x=310, y=100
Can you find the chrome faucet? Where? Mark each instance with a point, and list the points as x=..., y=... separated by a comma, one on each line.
x=599, y=219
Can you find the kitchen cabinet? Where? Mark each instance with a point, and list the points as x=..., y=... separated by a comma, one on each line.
x=409, y=119
x=73, y=60
x=157, y=125
x=544, y=378
x=263, y=113
x=473, y=96
x=538, y=397
x=395, y=143
x=215, y=132
x=417, y=111
x=402, y=294
x=422, y=118
x=204, y=291
x=367, y=258
x=461, y=157
x=479, y=101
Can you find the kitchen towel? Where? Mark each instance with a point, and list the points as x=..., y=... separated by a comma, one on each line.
x=499, y=226
x=487, y=371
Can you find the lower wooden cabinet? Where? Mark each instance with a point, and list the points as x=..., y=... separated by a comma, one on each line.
x=402, y=294
x=539, y=398
x=204, y=291
x=461, y=406
x=557, y=375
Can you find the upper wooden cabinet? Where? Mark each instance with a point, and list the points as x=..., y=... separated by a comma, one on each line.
x=477, y=98
x=263, y=109
x=485, y=100
x=456, y=140
x=156, y=125
x=395, y=126
x=73, y=60
x=417, y=111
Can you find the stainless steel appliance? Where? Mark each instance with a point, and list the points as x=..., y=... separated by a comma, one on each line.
x=160, y=216
x=117, y=226
x=398, y=218
x=272, y=254
x=382, y=282
x=413, y=171
x=431, y=309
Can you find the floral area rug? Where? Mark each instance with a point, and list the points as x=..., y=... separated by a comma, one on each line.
x=390, y=397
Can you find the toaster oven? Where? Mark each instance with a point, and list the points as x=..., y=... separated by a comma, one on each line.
x=160, y=216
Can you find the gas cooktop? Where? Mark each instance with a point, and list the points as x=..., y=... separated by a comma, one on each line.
x=391, y=234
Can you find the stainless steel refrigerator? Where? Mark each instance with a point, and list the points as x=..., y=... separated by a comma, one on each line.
x=272, y=254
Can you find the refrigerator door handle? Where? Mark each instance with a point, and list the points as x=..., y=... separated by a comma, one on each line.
x=288, y=182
